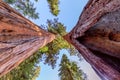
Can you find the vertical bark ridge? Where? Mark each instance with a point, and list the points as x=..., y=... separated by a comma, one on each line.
x=19, y=38
x=96, y=36
x=92, y=13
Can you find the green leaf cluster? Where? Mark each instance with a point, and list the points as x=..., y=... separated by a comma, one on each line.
x=54, y=8
x=69, y=70
x=25, y=7
x=51, y=50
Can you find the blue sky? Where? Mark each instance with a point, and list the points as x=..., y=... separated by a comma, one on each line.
x=69, y=14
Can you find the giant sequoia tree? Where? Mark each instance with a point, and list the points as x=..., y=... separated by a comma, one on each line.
x=96, y=36
x=20, y=38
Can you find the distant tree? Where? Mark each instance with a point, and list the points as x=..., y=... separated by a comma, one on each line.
x=52, y=50
x=54, y=8
x=25, y=7
x=69, y=70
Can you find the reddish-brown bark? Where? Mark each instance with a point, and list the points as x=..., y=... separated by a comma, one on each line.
x=19, y=38
x=96, y=36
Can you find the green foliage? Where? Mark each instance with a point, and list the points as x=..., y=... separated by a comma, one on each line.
x=54, y=8
x=69, y=70
x=10, y=1
x=52, y=50
x=27, y=70
x=25, y=7
x=36, y=0
x=56, y=27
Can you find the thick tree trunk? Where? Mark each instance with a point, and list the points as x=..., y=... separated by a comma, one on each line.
x=19, y=38
x=97, y=37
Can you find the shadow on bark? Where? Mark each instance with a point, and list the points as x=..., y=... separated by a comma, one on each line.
x=97, y=37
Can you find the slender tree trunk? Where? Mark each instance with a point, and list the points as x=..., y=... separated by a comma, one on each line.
x=19, y=38
x=97, y=37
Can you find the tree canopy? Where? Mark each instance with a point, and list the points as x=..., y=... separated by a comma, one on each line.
x=52, y=50
x=54, y=8
x=25, y=7
x=69, y=70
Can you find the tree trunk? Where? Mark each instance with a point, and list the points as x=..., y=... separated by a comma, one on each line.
x=97, y=37
x=19, y=38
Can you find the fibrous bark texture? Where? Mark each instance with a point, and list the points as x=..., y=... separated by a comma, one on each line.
x=19, y=38
x=97, y=37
